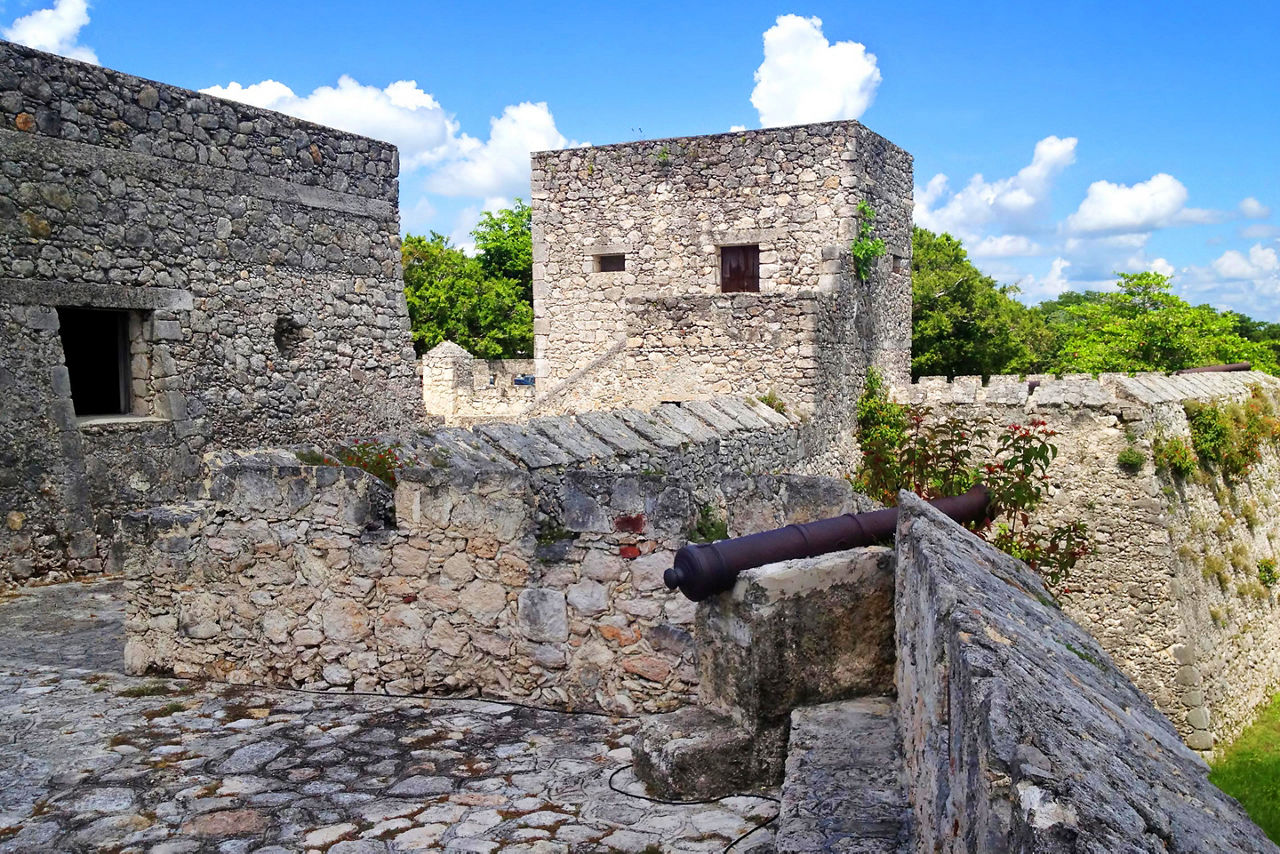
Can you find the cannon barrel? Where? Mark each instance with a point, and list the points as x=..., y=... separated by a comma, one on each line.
x=704, y=569
x=1213, y=369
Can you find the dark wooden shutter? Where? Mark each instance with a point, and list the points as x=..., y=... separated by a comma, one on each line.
x=739, y=269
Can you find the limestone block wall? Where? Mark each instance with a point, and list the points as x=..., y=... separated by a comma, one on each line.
x=1203, y=644
x=670, y=206
x=521, y=561
x=461, y=388
x=256, y=257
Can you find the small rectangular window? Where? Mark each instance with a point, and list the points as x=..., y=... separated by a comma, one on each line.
x=739, y=269
x=611, y=263
x=95, y=344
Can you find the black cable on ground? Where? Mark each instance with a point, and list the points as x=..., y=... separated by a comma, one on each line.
x=651, y=800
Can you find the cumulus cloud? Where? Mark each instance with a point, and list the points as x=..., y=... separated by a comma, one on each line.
x=1015, y=201
x=1143, y=207
x=1261, y=262
x=1052, y=285
x=805, y=78
x=1253, y=209
x=1260, y=231
x=402, y=113
x=55, y=30
x=500, y=166
x=1005, y=246
x=1161, y=266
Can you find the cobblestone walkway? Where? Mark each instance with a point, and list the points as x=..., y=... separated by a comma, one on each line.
x=91, y=760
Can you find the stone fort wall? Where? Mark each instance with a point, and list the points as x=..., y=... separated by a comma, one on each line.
x=660, y=329
x=518, y=561
x=1172, y=592
x=255, y=257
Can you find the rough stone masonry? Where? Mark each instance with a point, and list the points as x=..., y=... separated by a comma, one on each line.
x=230, y=275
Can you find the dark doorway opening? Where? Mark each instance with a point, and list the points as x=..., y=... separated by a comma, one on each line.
x=95, y=343
x=739, y=269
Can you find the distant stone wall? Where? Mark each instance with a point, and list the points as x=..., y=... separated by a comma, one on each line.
x=462, y=389
x=255, y=255
x=522, y=561
x=1206, y=650
x=670, y=206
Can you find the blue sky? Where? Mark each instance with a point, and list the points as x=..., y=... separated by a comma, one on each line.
x=1075, y=139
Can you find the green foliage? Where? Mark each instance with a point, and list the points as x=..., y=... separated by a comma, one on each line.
x=1174, y=454
x=380, y=459
x=710, y=527
x=1249, y=770
x=483, y=304
x=771, y=400
x=866, y=247
x=504, y=245
x=1267, y=571
x=962, y=322
x=1131, y=459
x=1231, y=436
x=1144, y=327
x=904, y=449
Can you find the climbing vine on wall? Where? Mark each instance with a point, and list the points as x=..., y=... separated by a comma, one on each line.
x=866, y=247
x=904, y=448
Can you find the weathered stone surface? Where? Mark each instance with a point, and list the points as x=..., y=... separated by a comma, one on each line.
x=843, y=789
x=542, y=615
x=1009, y=711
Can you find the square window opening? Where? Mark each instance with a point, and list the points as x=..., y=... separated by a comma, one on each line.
x=611, y=263
x=95, y=344
x=740, y=269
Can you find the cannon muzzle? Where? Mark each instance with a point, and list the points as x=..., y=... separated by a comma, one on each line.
x=704, y=569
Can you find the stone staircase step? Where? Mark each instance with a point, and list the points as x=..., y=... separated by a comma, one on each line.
x=843, y=789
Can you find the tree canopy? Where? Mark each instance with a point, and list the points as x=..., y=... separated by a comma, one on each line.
x=1145, y=327
x=963, y=323
x=472, y=301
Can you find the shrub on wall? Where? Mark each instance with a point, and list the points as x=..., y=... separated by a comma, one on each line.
x=1174, y=454
x=380, y=459
x=904, y=449
x=1231, y=436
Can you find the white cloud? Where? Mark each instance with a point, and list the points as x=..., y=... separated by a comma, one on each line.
x=401, y=113
x=1161, y=266
x=1054, y=284
x=737, y=128
x=1260, y=231
x=1253, y=209
x=1261, y=262
x=1015, y=201
x=805, y=78
x=500, y=167
x=1142, y=207
x=55, y=30
x=1005, y=246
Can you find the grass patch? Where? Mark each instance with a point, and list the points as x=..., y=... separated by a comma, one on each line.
x=1249, y=770
x=150, y=689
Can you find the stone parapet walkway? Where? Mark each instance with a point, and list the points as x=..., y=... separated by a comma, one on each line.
x=96, y=761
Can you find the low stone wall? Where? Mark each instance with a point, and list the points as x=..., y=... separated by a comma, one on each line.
x=1203, y=643
x=463, y=389
x=1019, y=732
x=524, y=561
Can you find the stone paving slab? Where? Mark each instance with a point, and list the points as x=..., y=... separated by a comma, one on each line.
x=96, y=761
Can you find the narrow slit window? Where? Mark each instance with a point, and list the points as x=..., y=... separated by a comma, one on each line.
x=95, y=344
x=739, y=269
x=611, y=263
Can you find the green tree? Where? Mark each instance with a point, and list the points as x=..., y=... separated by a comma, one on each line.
x=1145, y=327
x=504, y=245
x=963, y=323
x=451, y=297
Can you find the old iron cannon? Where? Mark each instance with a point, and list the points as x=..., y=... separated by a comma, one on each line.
x=704, y=569
x=1216, y=369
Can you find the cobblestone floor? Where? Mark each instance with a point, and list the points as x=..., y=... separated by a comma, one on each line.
x=91, y=760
